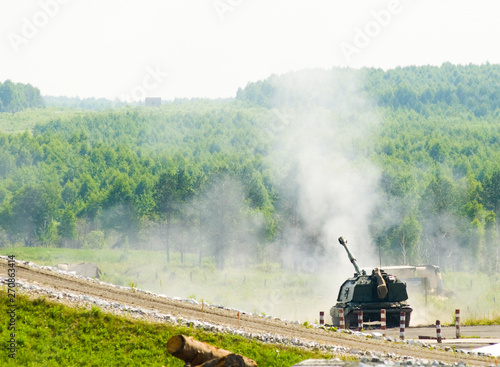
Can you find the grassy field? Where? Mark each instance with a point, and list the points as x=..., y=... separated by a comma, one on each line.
x=25, y=120
x=266, y=289
x=50, y=334
x=476, y=295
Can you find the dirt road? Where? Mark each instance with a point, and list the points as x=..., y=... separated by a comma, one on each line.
x=228, y=318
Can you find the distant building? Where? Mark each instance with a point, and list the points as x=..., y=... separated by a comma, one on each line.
x=153, y=101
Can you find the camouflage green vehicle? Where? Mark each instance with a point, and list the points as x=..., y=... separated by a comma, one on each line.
x=370, y=294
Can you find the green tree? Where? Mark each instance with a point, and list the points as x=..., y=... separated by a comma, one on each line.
x=32, y=212
x=67, y=228
x=438, y=208
x=407, y=238
x=492, y=192
x=171, y=190
x=225, y=209
x=119, y=211
x=490, y=257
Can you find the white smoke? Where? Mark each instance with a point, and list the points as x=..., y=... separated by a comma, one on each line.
x=336, y=185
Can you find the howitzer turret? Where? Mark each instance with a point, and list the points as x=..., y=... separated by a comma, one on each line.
x=370, y=294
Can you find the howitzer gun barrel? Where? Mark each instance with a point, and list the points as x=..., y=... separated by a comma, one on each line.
x=351, y=258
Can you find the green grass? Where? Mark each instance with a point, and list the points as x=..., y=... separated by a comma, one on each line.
x=471, y=321
x=51, y=334
x=475, y=294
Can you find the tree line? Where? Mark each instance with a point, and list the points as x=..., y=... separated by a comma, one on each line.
x=16, y=97
x=437, y=147
x=138, y=178
x=197, y=176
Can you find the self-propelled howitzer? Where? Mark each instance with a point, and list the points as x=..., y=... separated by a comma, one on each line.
x=370, y=294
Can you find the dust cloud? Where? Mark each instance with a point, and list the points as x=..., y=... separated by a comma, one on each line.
x=331, y=188
x=327, y=188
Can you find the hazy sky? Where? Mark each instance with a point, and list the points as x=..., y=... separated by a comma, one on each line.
x=209, y=48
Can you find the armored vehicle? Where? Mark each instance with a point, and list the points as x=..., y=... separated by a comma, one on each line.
x=370, y=294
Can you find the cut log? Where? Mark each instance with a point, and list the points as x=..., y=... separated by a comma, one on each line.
x=197, y=353
x=193, y=351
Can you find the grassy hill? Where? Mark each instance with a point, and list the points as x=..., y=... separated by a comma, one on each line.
x=50, y=334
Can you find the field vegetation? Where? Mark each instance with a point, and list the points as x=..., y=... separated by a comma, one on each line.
x=50, y=334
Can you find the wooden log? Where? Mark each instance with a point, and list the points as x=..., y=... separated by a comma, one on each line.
x=197, y=353
x=193, y=351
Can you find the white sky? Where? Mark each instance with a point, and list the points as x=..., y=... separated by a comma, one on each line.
x=209, y=48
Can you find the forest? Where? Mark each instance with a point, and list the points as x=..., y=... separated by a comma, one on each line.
x=407, y=160
x=17, y=97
